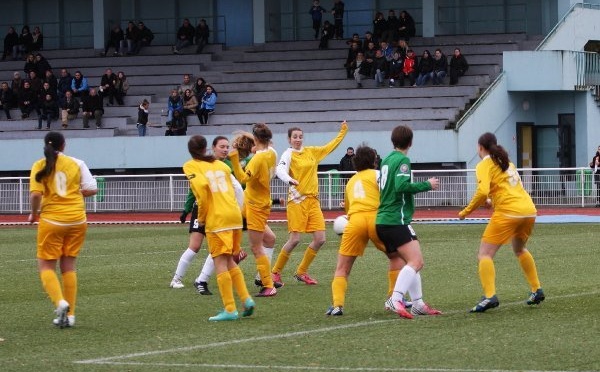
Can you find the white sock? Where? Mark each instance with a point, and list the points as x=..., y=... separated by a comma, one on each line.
x=404, y=281
x=186, y=258
x=416, y=290
x=207, y=270
x=269, y=253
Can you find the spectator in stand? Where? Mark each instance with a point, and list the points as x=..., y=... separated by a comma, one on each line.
x=27, y=100
x=199, y=88
x=202, y=35
x=177, y=126
x=36, y=86
x=49, y=111
x=379, y=26
x=79, y=85
x=51, y=79
x=11, y=44
x=316, y=12
x=387, y=50
x=92, y=107
x=69, y=108
x=207, y=104
x=326, y=34
x=115, y=37
x=29, y=64
x=425, y=68
x=144, y=38
x=368, y=38
x=185, y=36
x=380, y=68
x=440, y=67
x=187, y=84
x=64, y=83
x=346, y=164
x=393, y=25
x=406, y=27
x=360, y=68
x=38, y=39
x=44, y=91
x=128, y=44
x=409, y=69
x=338, y=18
x=25, y=41
x=41, y=65
x=352, y=53
x=355, y=39
x=458, y=66
x=402, y=48
x=190, y=104
x=16, y=85
x=174, y=103
x=370, y=55
x=395, y=68
x=6, y=99
x=107, y=86
x=142, y=120
x=121, y=87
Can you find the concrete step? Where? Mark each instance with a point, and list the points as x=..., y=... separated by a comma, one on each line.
x=32, y=123
x=69, y=133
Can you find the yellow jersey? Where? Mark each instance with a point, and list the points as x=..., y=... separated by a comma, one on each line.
x=257, y=176
x=62, y=200
x=362, y=192
x=505, y=189
x=213, y=189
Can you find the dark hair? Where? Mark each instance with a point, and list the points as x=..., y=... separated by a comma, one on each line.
x=402, y=137
x=497, y=153
x=262, y=133
x=53, y=143
x=293, y=129
x=364, y=158
x=197, y=148
x=218, y=138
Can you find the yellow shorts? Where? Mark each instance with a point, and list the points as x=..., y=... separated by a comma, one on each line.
x=55, y=241
x=502, y=229
x=306, y=216
x=224, y=242
x=256, y=218
x=360, y=228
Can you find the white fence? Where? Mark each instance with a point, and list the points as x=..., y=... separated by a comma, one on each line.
x=572, y=187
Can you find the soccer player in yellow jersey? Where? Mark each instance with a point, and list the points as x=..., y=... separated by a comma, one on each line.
x=58, y=184
x=499, y=186
x=361, y=200
x=219, y=212
x=298, y=168
x=257, y=199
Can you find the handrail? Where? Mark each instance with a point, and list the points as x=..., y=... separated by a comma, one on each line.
x=562, y=20
x=478, y=102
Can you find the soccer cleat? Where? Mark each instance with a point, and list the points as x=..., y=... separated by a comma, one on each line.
x=267, y=292
x=535, y=298
x=202, y=288
x=224, y=315
x=305, y=278
x=335, y=310
x=61, y=311
x=398, y=308
x=389, y=304
x=485, y=303
x=277, y=280
x=70, y=321
x=258, y=282
x=424, y=310
x=249, y=305
x=237, y=258
x=176, y=284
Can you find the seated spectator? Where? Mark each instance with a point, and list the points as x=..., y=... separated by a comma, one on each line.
x=144, y=38
x=115, y=36
x=352, y=53
x=380, y=68
x=402, y=48
x=393, y=24
x=395, y=68
x=406, y=26
x=425, y=68
x=41, y=65
x=190, y=104
x=409, y=69
x=44, y=91
x=69, y=109
x=49, y=111
x=79, y=85
x=199, y=88
x=370, y=54
x=185, y=36
x=50, y=79
x=368, y=38
x=185, y=85
x=207, y=104
x=38, y=39
x=121, y=87
x=92, y=108
x=360, y=69
x=27, y=100
x=35, y=81
x=326, y=35
x=458, y=66
x=29, y=64
x=387, y=50
x=64, y=83
x=16, y=85
x=6, y=99
x=440, y=67
x=174, y=103
x=379, y=26
x=202, y=34
x=131, y=36
x=177, y=126
x=142, y=119
x=355, y=39
x=107, y=86
x=11, y=44
x=25, y=42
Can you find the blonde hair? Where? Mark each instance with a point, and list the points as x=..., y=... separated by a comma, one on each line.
x=243, y=143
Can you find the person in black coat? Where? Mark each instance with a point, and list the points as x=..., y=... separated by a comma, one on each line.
x=92, y=108
x=144, y=38
x=49, y=111
x=202, y=34
x=406, y=26
x=326, y=35
x=115, y=36
x=11, y=44
x=458, y=66
x=6, y=99
x=595, y=165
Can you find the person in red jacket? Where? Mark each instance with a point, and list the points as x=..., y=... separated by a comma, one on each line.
x=409, y=71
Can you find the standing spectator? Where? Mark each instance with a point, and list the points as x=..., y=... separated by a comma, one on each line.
x=338, y=18
x=177, y=126
x=440, y=67
x=144, y=38
x=92, y=108
x=393, y=25
x=185, y=36
x=41, y=65
x=107, y=86
x=425, y=68
x=128, y=44
x=190, y=104
x=458, y=66
x=69, y=109
x=316, y=12
x=115, y=36
x=27, y=100
x=409, y=69
x=202, y=35
x=207, y=104
x=121, y=87
x=406, y=27
x=326, y=34
x=185, y=85
x=79, y=85
x=142, y=119
x=395, y=68
x=6, y=99
x=49, y=111
x=25, y=41
x=11, y=44
x=346, y=164
x=64, y=83
x=38, y=39
x=174, y=103
x=380, y=68
x=594, y=164
x=379, y=26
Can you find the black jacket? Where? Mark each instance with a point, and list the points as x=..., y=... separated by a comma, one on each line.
x=346, y=163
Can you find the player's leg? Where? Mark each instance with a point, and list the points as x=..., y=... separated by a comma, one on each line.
x=316, y=225
x=194, y=244
x=527, y=262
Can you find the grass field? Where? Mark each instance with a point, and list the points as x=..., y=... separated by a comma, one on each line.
x=129, y=319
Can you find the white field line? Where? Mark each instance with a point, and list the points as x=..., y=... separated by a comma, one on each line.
x=4, y=263
x=117, y=360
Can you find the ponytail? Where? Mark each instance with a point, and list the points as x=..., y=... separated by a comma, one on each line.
x=497, y=153
x=53, y=143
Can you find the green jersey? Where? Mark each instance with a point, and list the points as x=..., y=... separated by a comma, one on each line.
x=397, y=200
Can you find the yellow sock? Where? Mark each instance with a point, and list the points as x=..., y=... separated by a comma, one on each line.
x=239, y=285
x=69, y=280
x=392, y=276
x=487, y=275
x=51, y=285
x=263, y=267
x=226, y=288
x=338, y=289
x=528, y=265
x=309, y=256
x=282, y=260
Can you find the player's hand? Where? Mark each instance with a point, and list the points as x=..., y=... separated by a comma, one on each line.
x=294, y=182
x=342, y=205
x=233, y=153
x=33, y=217
x=183, y=216
x=488, y=203
x=461, y=215
x=344, y=125
x=434, y=182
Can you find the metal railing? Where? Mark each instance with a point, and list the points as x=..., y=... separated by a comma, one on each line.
x=567, y=187
x=587, y=67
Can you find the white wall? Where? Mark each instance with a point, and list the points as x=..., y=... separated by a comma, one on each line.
x=579, y=27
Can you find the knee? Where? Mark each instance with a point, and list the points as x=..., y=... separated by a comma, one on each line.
x=318, y=242
x=293, y=242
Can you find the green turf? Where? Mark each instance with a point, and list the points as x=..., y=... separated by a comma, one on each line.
x=127, y=313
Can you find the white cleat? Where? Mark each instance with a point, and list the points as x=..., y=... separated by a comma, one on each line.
x=61, y=311
x=176, y=284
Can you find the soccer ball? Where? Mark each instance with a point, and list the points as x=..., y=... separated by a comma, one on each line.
x=339, y=224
